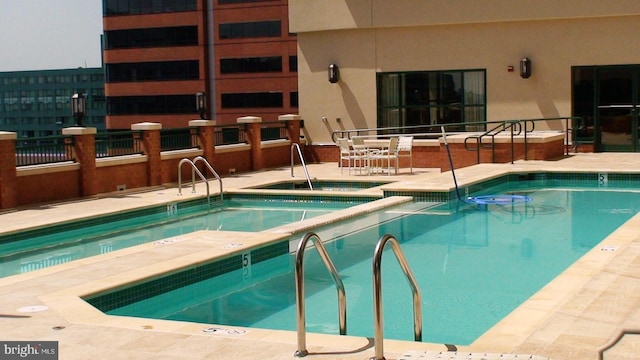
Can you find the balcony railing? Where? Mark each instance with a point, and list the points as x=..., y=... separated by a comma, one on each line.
x=118, y=143
x=179, y=139
x=44, y=150
x=230, y=134
x=273, y=131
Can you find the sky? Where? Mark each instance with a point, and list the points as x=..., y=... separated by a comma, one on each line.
x=50, y=34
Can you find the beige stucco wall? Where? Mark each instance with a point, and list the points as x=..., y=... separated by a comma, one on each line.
x=490, y=35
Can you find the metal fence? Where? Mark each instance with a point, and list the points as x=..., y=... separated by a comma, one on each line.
x=118, y=143
x=179, y=139
x=273, y=131
x=230, y=134
x=44, y=150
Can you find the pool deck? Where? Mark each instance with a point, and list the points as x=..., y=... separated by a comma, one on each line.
x=570, y=318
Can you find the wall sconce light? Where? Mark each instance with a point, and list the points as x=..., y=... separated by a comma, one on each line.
x=525, y=68
x=334, y=74
x=78, y=107
x=201, y=104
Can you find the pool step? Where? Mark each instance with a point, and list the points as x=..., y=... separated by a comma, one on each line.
x=454, y=355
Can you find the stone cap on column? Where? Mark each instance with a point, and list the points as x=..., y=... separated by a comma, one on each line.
x=78, y=130
x=249, y=119
x=146, y=126
x=289, y=117
x=8, y=135
x=199, y=122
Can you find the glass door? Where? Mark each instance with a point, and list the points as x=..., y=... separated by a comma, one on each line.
x=617, y=108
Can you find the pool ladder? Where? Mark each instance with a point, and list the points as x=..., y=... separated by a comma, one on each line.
x=304, y=166
x=194, y=170
x=377, y=292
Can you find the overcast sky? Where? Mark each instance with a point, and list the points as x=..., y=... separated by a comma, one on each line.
x=50, y=34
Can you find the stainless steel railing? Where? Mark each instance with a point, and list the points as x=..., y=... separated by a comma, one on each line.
x=300, y=300
x=377, y=294
x=304, y=166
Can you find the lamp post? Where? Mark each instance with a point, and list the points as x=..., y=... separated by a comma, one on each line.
x=78, y=107
x=201, y=104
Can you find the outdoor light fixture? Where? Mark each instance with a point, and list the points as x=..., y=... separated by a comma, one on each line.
x=78, y=107
x=201, y=104
x=525, y=68
x=333, y=73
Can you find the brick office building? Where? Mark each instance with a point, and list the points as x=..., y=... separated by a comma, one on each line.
x=159, y=54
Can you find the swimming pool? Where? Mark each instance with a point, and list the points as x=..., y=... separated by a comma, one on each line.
x=43, y=247
x=473, y=266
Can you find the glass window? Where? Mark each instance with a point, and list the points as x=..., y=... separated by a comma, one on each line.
x=159, y=104
x=425, y=99
x=151, y=37
x=251, y=65
x=250, y=30
x=252, y=100
x=136, y=7
x=153, y=71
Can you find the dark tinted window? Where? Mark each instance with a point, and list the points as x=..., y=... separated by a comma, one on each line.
x=151, y=37
x=252, y=100
x=251, y=65
x=250, y=30
x=153, y=71
x=136, y=7
x=157, y=104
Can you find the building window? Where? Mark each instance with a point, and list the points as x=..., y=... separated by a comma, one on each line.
x=408, y=99
x=251, y=65
x=252, y=100
x=158, y=104
x=293, y=99
x=293, y=64
x=151, y=37
x=250, y=30
x=138, y=7
x=153, y=71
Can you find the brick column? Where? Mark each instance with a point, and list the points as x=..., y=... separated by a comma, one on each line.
x=152, y=148
x=255, y=139
x=206, y=133
x=84, y=147
x=8, y=172
x=293, y=126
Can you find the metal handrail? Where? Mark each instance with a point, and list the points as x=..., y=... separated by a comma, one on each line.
x=200, y=158
x=304, y=166
x=615, y=340
x=194, y=170
x=300, y=301
x=377, y=294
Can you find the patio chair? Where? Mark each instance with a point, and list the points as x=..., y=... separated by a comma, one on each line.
x=355, y=158
x=388, y=154
x=405, y=146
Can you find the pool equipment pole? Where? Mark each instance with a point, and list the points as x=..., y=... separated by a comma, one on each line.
x=446, y=145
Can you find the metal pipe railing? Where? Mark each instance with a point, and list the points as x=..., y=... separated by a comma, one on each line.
x=300, y=300
x=377, y=294
x=304, y=166
x=215, y=174
x=194, y=170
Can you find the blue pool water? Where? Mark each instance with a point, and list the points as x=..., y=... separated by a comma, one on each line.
x=473, y=266
x=32, y=250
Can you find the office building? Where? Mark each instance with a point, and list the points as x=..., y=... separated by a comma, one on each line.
x=36, y=103
x=159, y=54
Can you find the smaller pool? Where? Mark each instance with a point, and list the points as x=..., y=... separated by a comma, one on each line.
x=39, y=248
x=324, y=185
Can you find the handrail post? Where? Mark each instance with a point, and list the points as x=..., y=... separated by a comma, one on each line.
x=377, y=294
x=215, y=174
x=194, y=170
x=300, y=300
x=304, y=166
